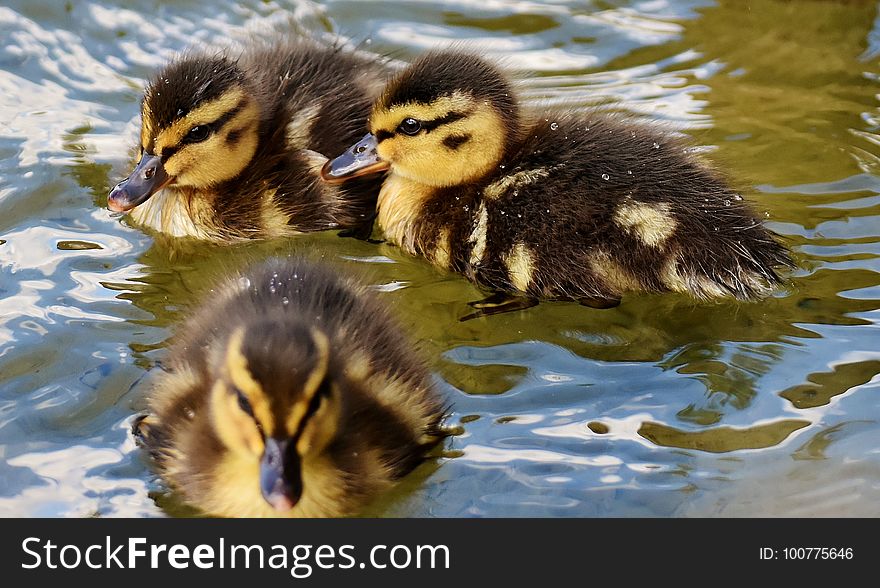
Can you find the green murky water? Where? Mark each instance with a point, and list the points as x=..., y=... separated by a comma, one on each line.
x=660, y=407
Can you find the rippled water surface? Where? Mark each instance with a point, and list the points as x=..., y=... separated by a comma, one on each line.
x=660, y=407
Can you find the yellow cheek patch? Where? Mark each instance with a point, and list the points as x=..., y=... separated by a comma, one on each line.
x=312, y=383
x=390, y=149
x=234, y=490
x=425, y=159
x=237, y=369
x=520, y=266
x=653, y=224
x=205, y=164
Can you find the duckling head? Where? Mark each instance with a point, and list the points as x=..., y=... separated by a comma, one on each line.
x=275, y=405
x=445, y=120
x=199, y=127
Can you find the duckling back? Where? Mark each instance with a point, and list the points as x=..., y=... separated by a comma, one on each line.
x=291, y=392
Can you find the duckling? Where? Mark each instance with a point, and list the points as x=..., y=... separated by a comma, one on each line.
x=550, y=205
x=289, y=393
x=230, y=145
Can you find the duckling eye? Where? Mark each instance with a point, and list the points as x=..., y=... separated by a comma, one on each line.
x=410, y=126
x=197, y=134
x=244, y=404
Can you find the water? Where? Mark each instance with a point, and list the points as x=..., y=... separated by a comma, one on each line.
x=660, y=407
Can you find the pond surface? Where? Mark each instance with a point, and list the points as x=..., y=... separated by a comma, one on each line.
x=660, y=407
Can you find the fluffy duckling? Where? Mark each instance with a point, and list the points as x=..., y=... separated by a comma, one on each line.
x=566, y=206
x=290, y=393
x=230, y=146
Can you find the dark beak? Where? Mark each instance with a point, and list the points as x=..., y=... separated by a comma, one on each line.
x=358, y=160
x=147, y=178
x=280, y=479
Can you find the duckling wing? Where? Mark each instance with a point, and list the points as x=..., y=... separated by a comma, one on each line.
x=323, y=93
x=322, y=96
x=598, y=207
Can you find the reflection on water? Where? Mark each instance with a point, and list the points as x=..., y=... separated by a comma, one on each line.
x=660, y=407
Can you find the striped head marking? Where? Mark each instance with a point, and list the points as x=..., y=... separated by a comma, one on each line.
x=199, y=127
x=274, y=402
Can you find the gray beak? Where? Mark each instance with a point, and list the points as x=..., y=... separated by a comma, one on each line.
x=358, y=160
x=280, y=480
x=147, y=178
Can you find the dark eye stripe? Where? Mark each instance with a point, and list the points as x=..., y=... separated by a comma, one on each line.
x=168, y=152
x=225, y=117
x=245, y=406
x=243, y=402
x=430, y=125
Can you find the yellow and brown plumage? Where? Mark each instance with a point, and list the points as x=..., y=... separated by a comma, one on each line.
x=231, y=143
x=291, y=392
x=548, y=204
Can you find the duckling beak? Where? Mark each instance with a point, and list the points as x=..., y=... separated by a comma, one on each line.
x=358, y=160
x=147, y=178
x=280, y=479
